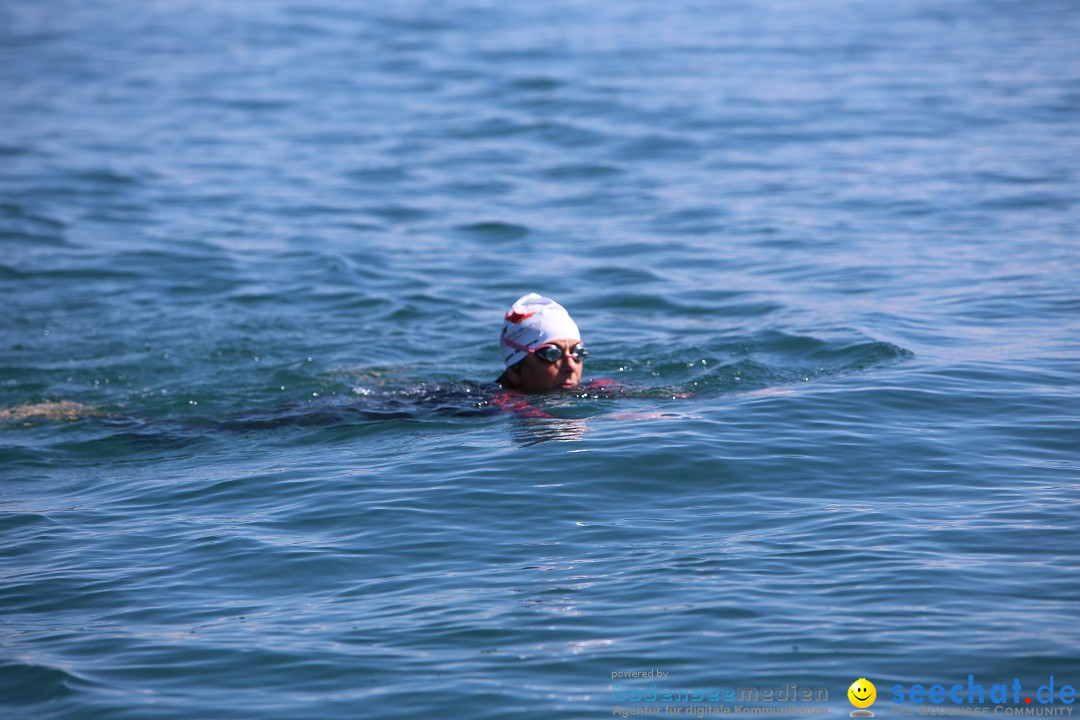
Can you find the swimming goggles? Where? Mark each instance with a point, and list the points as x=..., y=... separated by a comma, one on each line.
x=551, y=353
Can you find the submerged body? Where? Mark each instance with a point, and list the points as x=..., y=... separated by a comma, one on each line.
x=540, y=346
x=457, y=399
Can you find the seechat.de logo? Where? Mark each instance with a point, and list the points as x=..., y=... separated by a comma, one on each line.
x=862, y=695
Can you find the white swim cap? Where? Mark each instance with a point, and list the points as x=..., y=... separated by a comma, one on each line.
x=532, y=321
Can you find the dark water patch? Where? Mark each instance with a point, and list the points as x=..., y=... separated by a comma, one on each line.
x=1014, y=178
x=307, y=210
x=205, y=199
x=482, y=188
x=490, y=128
x=119, y=214
x=19, y=223
x=610, y=275
x=17, y=38
x=67, y=274
x=750, y=309
x=658, y=147
x=268, y=297
x=107, y=177
x=1029, y=201
x=636, y=301
x=26, y=683
x=535, y=83
x=380, y=174
x=23, y=521
x=581, y=171
x=150, y=441
x=18, y=454
x=257, y=105
x=621, y=200
x=321, y=418
x=55, y=590
x=568, y=135
x=691, y=221
x=362, y=268
x=197, y=260
x=10, y=273
x=493, y=230
x=15, y=150
x=399, y=213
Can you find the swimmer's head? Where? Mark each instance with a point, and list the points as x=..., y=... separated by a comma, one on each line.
x=532, y=321
x=541, y=345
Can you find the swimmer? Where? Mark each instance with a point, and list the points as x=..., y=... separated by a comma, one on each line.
x=542, y=350
x=541, y=347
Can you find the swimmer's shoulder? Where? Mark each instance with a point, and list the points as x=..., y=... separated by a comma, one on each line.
x=49, y=411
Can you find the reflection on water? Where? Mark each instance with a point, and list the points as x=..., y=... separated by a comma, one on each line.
x=528, y=431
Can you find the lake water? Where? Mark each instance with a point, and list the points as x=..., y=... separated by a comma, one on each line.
x=262, y=247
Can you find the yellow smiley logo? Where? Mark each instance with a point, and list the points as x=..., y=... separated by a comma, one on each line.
x=862, y=694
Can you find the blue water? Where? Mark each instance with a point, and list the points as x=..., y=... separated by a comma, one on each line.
x=262, y=247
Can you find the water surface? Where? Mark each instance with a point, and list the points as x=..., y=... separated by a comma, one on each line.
x=267, y=246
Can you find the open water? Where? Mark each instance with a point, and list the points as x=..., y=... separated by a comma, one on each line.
x=263, y=249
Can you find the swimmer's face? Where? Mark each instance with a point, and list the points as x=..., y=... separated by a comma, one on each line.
x=537, y=375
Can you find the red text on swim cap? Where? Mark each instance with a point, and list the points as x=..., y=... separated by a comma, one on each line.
x=515, y=316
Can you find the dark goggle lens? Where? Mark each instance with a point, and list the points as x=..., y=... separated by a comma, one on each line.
x=553, y=354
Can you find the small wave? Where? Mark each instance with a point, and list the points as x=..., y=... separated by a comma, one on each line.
x=25, y=683
x=17, y=223
x=857, y=354
x=767, y=360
